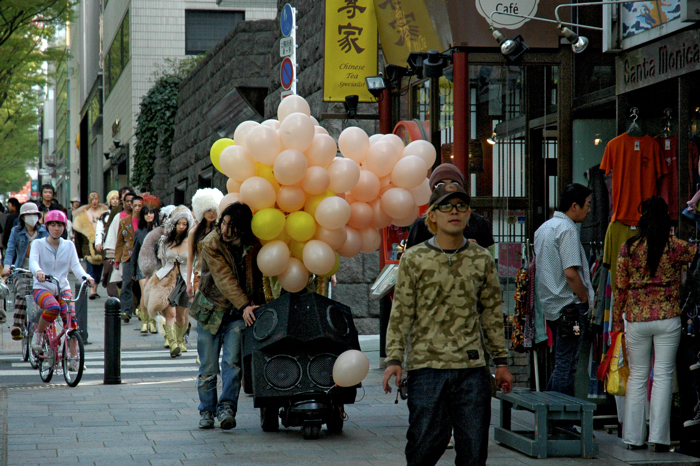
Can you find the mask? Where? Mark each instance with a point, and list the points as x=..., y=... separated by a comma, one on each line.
x=31, y=220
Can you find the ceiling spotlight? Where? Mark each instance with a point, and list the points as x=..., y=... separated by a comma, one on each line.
x=493, y=139
x=578, y=43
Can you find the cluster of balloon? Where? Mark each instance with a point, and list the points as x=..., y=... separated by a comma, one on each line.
x=311, y=207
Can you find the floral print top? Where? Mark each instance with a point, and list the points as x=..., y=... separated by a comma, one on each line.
x=643, y=298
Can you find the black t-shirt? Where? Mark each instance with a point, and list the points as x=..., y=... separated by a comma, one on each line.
x=478, y=228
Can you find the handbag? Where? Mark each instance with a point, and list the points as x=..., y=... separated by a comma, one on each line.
x=604, y=366
x=618, y=372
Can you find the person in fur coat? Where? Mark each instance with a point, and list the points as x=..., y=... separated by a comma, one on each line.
x=85, y=220
x=205, y=204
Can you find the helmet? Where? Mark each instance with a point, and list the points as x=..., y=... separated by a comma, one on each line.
x=56, y=216
x=28, y=208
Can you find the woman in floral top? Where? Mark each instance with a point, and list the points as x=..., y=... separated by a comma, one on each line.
x=648, y=286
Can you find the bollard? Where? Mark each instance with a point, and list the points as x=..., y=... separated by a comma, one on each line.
x=81, y=313
x=113, y=342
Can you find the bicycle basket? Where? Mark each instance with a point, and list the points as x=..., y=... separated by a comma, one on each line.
x=33, y=310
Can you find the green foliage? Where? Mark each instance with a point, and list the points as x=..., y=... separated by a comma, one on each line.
x=155, y=125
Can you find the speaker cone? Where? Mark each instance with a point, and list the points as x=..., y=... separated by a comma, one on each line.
x=337, y=320
x=282, y=372
x=265, y=324
x=320, y=369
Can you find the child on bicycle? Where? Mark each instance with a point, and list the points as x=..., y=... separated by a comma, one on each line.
x=54, y=256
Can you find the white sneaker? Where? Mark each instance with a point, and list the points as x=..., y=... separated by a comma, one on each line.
x=695, y=366
x=37, y=340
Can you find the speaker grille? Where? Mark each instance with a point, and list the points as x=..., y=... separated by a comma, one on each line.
x=282, y=372
x=321, y=369
x=337, y=320
x=265, y=324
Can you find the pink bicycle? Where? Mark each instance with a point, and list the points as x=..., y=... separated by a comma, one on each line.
x=62, y=351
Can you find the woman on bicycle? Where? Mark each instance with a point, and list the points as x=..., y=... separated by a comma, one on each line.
x=54, y=256
x=21, y=240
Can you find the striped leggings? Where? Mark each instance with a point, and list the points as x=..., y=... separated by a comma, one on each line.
x=53, y=307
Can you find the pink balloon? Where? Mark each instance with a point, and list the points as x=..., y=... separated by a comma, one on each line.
x=396, y=141
x=344, y=175
x=314, y=120
x=375, y=138
x=348, y=197
x=290, y=167
x=291, y=198
x=333, y=212
x=297, y=132
x=398, y=202
x=371, y=240
x=295, y=277
x=257, y=193
x=353, y=143
x=367, y=187
x=334, y=238
x=227, y=200
x=360, y=215
x=407, y=221
x=320, y=130
x=384, y=181
x=381, y=158
x=380, y=219
x=233, y=186
x=274, y=124
x=352, y=245
x=273, y=258
x=241, y=133
x=292, y=104
x=264, y=144
x=422, y=149
x=319, y=257
x=421, y=193
x=322, y=150
x=236, y=163
x=316, y=180
x=409, y=172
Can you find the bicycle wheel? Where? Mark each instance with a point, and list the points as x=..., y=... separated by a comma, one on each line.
x=46, y=362
x=73, y=358
x=26, y=342
x=33, y=359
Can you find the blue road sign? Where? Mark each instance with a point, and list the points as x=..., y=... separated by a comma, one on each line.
x=287, y=20
x=287, y=73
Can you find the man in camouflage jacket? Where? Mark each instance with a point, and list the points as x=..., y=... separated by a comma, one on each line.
x=223, y=306
x=439, y=284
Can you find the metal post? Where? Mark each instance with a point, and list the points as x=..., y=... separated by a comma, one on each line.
x=113, y=342
x=81, y=313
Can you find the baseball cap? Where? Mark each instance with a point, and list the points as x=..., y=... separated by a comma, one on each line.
x=447, y=171
x=446, y=192
x=75, y=199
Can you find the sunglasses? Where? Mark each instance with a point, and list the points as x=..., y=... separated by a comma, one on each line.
x=447, y=207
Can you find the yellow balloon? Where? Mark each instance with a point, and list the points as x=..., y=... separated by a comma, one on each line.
x=301, y=226
x=265, y=171
x=335, y=268
x=313, y=202
x=297, y=249
x=215, y=151
x=267, y=224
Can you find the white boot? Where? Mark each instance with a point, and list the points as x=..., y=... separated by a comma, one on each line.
x=37, y=340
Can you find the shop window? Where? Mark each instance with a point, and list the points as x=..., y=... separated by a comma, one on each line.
x=205, y=28
x=179, y=195
x=117, y=56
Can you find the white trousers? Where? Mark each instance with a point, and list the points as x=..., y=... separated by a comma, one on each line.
x=663, y=336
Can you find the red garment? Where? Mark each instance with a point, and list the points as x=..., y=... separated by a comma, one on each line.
x=636, y=165
x=693, y=160
x=667, y=185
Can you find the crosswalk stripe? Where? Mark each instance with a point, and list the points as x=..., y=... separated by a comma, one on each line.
x=144, y=362
x=100, y=371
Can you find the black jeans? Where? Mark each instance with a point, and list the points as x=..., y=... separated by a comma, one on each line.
x=127, y=294
x=444, y=400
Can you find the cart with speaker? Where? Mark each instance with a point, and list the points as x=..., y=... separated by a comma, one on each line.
x=289, y=354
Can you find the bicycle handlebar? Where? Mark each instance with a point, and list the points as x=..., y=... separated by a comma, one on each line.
x=84, y=281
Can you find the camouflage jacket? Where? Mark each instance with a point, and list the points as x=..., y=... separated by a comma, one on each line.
x=435, y=306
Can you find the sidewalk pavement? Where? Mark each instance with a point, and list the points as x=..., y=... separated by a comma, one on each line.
x=146, y=422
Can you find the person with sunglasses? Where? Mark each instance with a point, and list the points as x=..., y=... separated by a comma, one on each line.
x=439, y=285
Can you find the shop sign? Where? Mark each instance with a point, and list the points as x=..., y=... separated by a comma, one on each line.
x=351, y=49
x=519, y=7
x=669, y=58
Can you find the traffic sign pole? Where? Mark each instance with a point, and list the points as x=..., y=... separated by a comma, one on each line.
x=294, y=50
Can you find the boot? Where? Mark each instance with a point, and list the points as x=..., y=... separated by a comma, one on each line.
x=180, y=336
x=172, y=341
x=152, y=326
x=144, y=326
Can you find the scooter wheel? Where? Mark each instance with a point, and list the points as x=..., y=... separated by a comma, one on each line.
x=311, y=432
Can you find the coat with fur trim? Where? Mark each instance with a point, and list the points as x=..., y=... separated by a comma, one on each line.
x=148, y=255
x=84, y=231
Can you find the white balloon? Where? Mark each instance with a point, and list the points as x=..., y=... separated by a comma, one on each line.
x=350, y=368
x=272, y=123
x=375, y=138
x=242, y=130
x=292, y=104
x=422, y=149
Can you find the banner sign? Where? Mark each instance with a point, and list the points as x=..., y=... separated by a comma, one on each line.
x=351, y=49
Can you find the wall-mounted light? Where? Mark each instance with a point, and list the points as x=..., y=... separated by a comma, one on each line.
x=510, y=48
x=597, y=141
x=434, y=65
x=350, y=105
x=493, y=139
x=415, y=63
x=375, y=85
x=578, y=43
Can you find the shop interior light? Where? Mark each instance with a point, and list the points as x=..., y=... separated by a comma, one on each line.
x=578, y=43
x=493, y=139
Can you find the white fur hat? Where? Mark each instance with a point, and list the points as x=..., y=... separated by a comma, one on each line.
x=206, y=199
x=179, y=212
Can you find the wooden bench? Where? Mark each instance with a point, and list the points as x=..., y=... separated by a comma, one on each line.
x=545, y=440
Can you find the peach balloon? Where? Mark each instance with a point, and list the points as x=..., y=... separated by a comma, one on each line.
x=291, y=198
x=334, y=238
x=316, y=180
x=236, y=163
x=257, y=193
x=371, y=240
x=348, y=197
x=319, y=257
x=353, y=143
x=241, y=133
x=333, y=212
x=295, y=277
x=360, y=215
x=422, y=149
x=297, y=132
x=407, y=221
x=274, y=124
x=409, y=172
x=264, y=144
x=384, y=181
x=296, y=248
x=344, y=174
x=367, y=187
x=375, y=138
x=421, y=193
x=227, y=200
x=314, y=120
x=312, y=202
x=233, y=186
x=381, y=158
x=320, y=130
x=292, y=104
x=290, y=167
x=273, y=258
x=398, y=202
x=380, y=219
x=322, y=151
x=352, y=245
x=396, y=141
